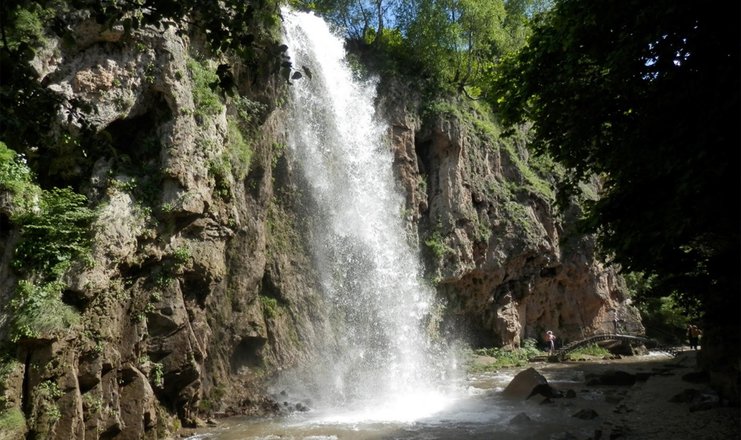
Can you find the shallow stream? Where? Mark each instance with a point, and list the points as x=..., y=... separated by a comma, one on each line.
x=477, y=411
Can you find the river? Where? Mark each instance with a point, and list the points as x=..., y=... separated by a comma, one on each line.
x=479, y=411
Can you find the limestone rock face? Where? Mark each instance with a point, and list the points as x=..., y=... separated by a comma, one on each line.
x=504, y=258
x=198, y=284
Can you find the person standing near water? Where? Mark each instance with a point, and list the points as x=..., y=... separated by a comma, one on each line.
x=693, y=335
x=551, y=339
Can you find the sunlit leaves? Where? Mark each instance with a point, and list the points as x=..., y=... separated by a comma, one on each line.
x=645, y=94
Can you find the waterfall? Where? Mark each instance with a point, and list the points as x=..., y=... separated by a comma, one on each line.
x=370, y=273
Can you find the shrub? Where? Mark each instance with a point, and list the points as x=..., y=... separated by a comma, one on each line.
x=206, y=100
x=54, y=234
x=240, y=152
x=17, y=178
x=38, y=310
x=588, y=350
x=12, y=420
x=508, y=357
x=269, y=306
x=437, y=245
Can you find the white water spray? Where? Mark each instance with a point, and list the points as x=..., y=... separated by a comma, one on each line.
x=370, y=273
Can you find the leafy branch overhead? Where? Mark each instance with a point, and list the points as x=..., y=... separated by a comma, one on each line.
x=645, y=95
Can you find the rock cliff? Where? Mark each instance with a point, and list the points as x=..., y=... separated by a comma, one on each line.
x=199, y=286
x=508, y=263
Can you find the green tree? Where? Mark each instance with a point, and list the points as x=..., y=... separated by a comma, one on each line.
x=450, y=44
x=645, y=95
x=358, y=18
x=454, y=39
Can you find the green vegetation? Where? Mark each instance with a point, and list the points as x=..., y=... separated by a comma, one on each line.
x=53, y=234
x=55, y=227
x=504, y=358
x=269, y=306
x=46, y=393
x=240, y=153
x=244, y=32
x=669, y=193
x=591, y=350
x=436, y=243
x=445, y=45
x=28, y=25
x=12, y=420
x=205, y=80
x=665, y=317
x=38, y=310
x=605, y=85
x=93, y=404
x=282, y=235
x=16, y=177
x=182, y=256
x=157, y=375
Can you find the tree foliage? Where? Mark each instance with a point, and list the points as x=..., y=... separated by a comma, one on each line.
x=448, y=44
x=358, y=18
x=645, y=95
x=454, y=39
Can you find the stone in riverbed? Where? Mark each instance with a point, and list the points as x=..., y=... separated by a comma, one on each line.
x=520, y=419
x=528, y=383
x=586, y=414
x=615, y=378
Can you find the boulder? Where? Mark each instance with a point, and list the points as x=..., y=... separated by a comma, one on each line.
x=614, y=378
x=528, y=383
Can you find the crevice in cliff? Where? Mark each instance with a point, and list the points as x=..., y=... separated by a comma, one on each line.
x=248, y=353
x=195, y=287
x=75, y=299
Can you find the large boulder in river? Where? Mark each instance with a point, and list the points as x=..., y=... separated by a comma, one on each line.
x=528, y=383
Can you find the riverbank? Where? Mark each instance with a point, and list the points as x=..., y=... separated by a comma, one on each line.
x=669, y=400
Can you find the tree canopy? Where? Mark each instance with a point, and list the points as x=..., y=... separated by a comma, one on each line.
x=646, y=96
x=451, y=44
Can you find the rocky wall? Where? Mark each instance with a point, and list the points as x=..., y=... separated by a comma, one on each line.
x=198, y=286
x=505, y=260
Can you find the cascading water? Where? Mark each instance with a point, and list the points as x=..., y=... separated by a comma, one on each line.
x=370, y=274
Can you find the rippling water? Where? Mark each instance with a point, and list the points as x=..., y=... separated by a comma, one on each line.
x=478, y=412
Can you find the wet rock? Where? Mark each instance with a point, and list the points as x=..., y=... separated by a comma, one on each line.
x=614, y=378
x=643, y=376
x=546, y=391
x=685, y=396
x=528, y=383
x=696, y=377
x=570, y=394
x=520, y=419
x=562, y=436
x=622, y=409
x=698, y=400
x=586, y=414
